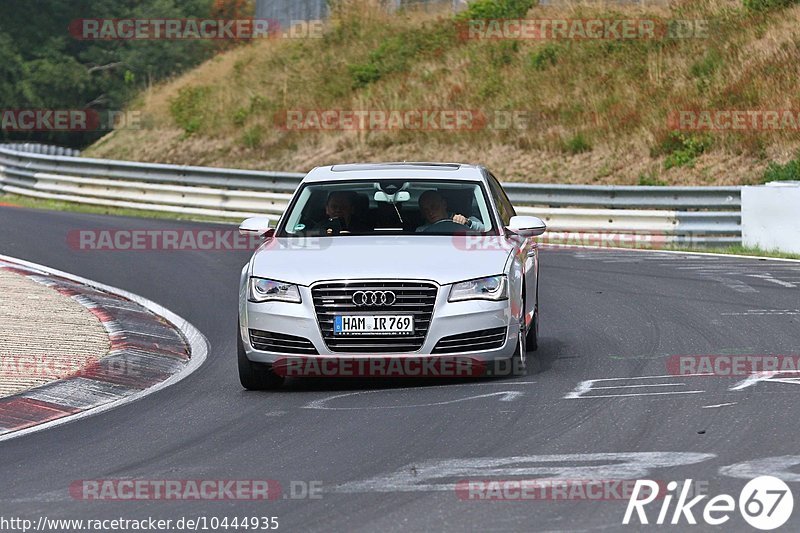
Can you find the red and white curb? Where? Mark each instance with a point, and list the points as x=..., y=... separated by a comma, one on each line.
x=151, y=348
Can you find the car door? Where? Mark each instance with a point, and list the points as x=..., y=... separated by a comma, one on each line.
x=528, y=249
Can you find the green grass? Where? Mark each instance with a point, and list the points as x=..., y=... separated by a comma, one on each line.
x=58, y=205
x=726, y=250
x=788, y=172
x=742, y=250
x=651, y=180
x=765, y=5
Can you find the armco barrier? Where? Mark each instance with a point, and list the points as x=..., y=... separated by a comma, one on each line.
x=695, y=216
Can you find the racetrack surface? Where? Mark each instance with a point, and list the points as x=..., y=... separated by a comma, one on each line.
x=381, y=449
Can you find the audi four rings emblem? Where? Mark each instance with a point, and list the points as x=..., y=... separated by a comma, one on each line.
x=374, y=298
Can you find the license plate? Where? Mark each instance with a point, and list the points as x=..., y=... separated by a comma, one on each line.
x=373, y=324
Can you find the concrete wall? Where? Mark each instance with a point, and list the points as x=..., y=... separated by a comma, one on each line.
x=771, y=216
x=287, y=11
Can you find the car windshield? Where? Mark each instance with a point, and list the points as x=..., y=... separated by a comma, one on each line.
x=382, y=207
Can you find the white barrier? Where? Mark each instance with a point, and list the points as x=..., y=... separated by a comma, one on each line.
x=771, y=216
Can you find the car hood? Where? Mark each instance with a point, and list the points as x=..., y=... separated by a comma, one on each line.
x=443, y=259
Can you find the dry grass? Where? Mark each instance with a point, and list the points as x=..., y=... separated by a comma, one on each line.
x=597, y=109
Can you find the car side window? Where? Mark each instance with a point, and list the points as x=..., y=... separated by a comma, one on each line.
x=504, y=206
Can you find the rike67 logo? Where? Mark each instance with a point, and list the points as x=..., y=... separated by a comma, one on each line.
x=765, y=503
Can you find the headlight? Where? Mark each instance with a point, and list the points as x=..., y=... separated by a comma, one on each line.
x=269, y=290
x=491, y=288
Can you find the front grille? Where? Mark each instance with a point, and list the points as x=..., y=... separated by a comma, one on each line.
x=485, y=339
x=336, y=298
x=269, y=341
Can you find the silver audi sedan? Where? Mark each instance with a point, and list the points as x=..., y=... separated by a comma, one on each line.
x=393, y=262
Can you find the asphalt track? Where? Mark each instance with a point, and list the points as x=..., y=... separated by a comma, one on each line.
x=385, y=451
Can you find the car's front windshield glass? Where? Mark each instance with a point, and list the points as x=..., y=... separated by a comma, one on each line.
x=389, y=207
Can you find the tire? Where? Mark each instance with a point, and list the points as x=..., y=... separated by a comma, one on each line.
x=519, y=361
x=255, y=376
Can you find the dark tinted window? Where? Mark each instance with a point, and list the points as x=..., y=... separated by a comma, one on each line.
x=504, y=206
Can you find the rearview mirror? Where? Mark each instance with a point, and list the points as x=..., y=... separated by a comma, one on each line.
x=400, y=196
x=526, y=226
x=255, y=226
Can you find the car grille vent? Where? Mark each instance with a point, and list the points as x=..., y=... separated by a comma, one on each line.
x=485, y=339
x=268, y=341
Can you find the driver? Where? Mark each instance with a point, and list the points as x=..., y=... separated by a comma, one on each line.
x=434, y=208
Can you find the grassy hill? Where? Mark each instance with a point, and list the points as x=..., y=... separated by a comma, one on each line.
x=597, y=110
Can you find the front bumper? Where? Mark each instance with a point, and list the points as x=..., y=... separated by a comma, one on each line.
x=448, y=319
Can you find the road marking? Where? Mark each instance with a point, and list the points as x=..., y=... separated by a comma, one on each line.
x=587, y=386
x=757, y=377
x=768, y=277
x=504, y=396
x=733, y=284
x=718, y=405
x=637, y=394
x=759, y=312
x=780, y=467
x=443, y=474
x=639, y=386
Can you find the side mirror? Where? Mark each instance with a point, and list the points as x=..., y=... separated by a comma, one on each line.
x=526, y=226
x=255, y=226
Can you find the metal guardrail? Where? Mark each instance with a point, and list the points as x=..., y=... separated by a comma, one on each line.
x=625, y=196
x=696, y=216
x=47, y=149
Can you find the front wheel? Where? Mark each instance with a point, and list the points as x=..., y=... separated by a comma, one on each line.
x=255, y=376
x=519, y=361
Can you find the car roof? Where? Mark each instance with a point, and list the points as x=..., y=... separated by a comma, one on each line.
x=400, y=170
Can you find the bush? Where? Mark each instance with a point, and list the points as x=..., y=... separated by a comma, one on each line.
x=240, y=117
x=252, y=137
x=577, y=144
x=544, y=58
x=188, y=108
x=788, y=172
x=364, y=74
x=496, y=9
x=683, y=149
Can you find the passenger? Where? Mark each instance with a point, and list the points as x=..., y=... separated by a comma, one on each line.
x=434, y=209
x=340, y=209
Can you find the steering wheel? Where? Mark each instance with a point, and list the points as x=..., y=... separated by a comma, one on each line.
x=445, y=226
